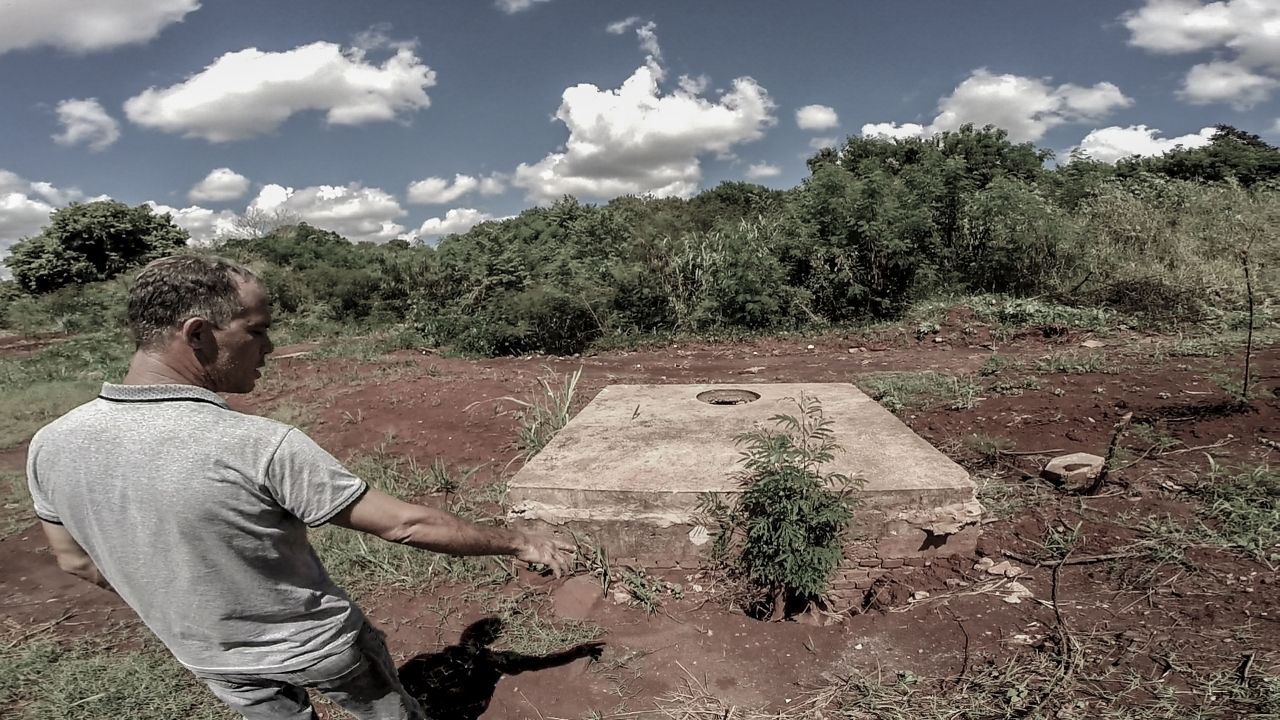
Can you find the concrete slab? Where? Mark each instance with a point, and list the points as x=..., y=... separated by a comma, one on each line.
x=642, y=454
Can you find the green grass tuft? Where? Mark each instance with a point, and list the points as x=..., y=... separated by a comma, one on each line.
x=920, y=390
x=47, y=680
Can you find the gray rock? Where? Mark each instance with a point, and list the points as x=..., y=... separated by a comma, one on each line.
x=1074, y=469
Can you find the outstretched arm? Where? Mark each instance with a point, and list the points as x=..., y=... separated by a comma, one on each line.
x=393, y=520
x=71, y=557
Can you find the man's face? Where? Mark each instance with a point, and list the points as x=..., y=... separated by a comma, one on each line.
x=242, y=344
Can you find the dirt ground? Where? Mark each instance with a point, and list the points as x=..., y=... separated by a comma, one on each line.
x=1206, y=612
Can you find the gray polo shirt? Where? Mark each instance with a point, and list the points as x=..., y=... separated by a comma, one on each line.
x=197, y=515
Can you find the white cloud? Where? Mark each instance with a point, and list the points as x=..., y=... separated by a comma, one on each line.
x=457, y=220
x=816, y=117
x=85, y=121
x=514, y=6
x=1226, y=82
x=819, y=143
x=220, y=185
x=439, y=191
x=1114, y=143
x=1026, y=107
x=635, y=139
x=894, y=130
x=649, y=40
x=204, y=225
x=25, y=206
x=1248, y=28
x=250, y=92
x=621, y=26
x=83, y=27
x=357, y=213
x=494, y=184
x=695, y=85
x=763, y=170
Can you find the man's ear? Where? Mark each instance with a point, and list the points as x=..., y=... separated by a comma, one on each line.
x=195, y=333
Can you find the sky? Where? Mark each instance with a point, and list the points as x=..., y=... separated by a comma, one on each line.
x=411, y=118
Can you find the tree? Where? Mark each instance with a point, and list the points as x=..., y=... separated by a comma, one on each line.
x=1231, y=154
x=87, y=242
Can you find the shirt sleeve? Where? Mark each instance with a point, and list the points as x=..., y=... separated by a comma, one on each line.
x=309, y=482
x=40, y=500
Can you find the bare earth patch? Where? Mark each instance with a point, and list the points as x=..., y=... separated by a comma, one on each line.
x=1137, y=624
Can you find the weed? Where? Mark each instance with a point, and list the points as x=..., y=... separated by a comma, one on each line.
x=495, y=493
x=1071, y=362
x=1031, y=312
x=291, y=413
x=89, y=357
x=926, y=329
x=546, y=414
x=1156, y=438
x=441, y=480
x=15, y=504
x=529, y=630
x=792, y=523
x=646, y=591
x=995, y=364
x=1245, y=509
x=1015, y=387
x=900, y=391
x=592, y=559
x=1028, y=685
x=24, y=410
x=36, y=389
x=1233, y=386
x=92, y=679
x=1002, y=499
x=1163, y=541
x=1060, y=540
x=988, y=448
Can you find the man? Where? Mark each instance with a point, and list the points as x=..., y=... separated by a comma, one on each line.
x=197, y=516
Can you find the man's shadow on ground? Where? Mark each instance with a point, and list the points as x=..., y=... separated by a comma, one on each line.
x=459, y=681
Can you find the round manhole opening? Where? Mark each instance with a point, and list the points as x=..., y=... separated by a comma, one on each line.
x=728, y=397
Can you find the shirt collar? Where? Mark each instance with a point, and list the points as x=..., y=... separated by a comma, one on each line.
x=159, y=393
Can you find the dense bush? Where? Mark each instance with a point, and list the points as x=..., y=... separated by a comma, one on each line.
x=88, y=242
x=877, y=225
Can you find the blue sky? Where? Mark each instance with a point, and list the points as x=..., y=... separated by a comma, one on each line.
x=389, y=118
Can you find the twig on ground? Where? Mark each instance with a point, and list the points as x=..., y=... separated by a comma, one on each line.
x=1086, y=560
x=47, y=626
x=1210, y=446
x=535, y=707
x=1067, y=643
x=1101, y=478
x=1245, y=664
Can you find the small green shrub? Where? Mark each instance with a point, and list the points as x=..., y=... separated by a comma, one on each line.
x=792, y=522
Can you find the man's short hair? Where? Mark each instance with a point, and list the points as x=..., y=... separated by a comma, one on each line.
x=173, y=289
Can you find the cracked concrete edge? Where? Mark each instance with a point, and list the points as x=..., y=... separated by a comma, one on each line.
x=557, y=515
x=945, y=520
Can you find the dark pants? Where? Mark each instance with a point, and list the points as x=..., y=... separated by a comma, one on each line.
x=362, y=679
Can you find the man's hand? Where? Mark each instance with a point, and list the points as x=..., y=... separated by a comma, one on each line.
x=545, y=550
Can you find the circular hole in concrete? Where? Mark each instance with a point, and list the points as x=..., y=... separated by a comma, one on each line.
x=728, y=397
